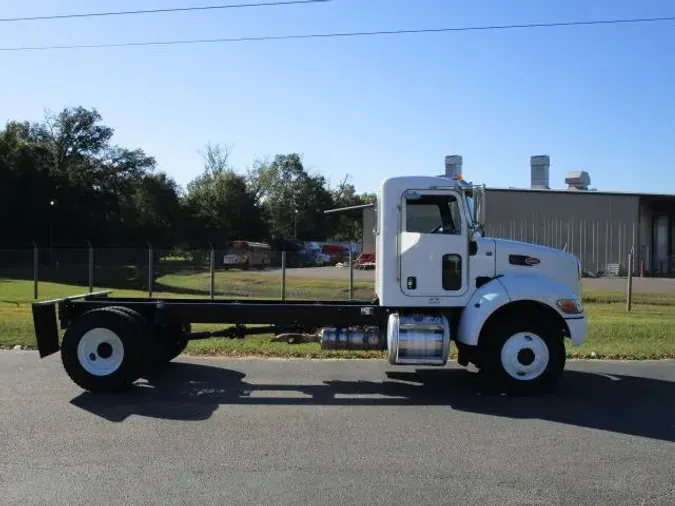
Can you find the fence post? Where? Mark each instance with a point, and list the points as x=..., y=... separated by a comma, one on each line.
x=351, y=273
x=629, y=284
x=212, y=272
x=150, y=270
x=36, y=269
x=91, y=267
x=283, y=275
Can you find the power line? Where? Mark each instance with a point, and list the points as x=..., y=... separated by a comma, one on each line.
x=345, y=34
x=159, y=11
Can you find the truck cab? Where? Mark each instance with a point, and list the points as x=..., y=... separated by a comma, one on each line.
x=431, y=248
x=508, y=305
x=423, y=226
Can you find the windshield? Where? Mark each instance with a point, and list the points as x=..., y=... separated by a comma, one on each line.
x=236, y=250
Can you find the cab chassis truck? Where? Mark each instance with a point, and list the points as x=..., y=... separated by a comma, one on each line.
x=507, y=306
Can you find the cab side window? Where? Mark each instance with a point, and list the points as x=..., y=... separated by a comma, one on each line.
x=433, y=214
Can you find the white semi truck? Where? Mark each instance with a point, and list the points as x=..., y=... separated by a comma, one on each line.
x=507, y=306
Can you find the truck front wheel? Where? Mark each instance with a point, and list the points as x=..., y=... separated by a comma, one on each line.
x=523, y=357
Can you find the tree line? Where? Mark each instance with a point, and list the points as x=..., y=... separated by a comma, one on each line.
x=64, y=182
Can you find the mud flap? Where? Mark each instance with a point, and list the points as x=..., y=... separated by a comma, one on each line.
x=46, y=329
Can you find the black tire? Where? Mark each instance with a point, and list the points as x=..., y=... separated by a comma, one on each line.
x=140, y=320
x=104, y=350
x=170, y=342
x=167, y=343
x=148, y=331
x=522, y=372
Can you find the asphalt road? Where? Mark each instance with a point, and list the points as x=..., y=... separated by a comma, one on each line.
x=213, y=431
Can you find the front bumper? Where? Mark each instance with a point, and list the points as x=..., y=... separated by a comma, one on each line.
x=578, y=327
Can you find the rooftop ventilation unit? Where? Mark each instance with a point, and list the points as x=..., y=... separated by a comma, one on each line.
x=578, y=180
x=539, y=166
x=453, y=166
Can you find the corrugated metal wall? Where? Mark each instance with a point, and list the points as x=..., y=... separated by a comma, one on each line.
x=599, y=228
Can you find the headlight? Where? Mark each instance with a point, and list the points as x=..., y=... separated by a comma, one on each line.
x=570, y=306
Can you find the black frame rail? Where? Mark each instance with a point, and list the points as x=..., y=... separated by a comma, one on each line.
x=298, y=315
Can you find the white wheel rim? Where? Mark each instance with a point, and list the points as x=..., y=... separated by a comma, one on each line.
x=525, y=356
x=100, y=352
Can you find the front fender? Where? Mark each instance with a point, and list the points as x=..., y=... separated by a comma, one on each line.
x=548, y=291
x=512, y=288
x=485, y=301
x=539, y=288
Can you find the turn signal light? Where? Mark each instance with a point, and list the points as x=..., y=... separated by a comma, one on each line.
x=570, y=306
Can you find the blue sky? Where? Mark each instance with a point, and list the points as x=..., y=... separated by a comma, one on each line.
x=600, y=98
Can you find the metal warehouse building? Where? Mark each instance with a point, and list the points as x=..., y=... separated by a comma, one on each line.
x=600, y=227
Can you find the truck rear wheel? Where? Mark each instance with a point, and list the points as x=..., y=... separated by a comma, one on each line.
x=523, y=357
x=104, y=350
x=170, y=343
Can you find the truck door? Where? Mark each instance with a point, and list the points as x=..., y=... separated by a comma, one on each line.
x=433, y=244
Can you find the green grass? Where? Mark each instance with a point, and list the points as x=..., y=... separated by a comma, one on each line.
x=663, y=299
x=267, y=286
x=647, y=332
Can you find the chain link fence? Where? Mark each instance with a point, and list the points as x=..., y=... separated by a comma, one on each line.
x=177, y=272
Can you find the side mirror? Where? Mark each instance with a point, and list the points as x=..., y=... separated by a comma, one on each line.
x=478, y=229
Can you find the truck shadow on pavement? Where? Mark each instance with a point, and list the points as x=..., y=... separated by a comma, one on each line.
x=191, y=392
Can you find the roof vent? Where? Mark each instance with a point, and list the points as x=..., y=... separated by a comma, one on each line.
x=578, y=180
x=539, y=166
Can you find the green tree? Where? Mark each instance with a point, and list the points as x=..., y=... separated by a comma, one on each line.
x=93, y=178
x=63, y=181
x=220, y=204
x=152, y=211
x=26, y=189
x=293, y=199
x=348, y=227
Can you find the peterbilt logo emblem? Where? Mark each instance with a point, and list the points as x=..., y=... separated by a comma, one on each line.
x=523, y=260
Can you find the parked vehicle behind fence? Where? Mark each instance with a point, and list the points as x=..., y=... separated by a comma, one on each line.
x=246, y=254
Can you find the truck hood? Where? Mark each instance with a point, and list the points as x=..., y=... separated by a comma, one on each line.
x=515, y=257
